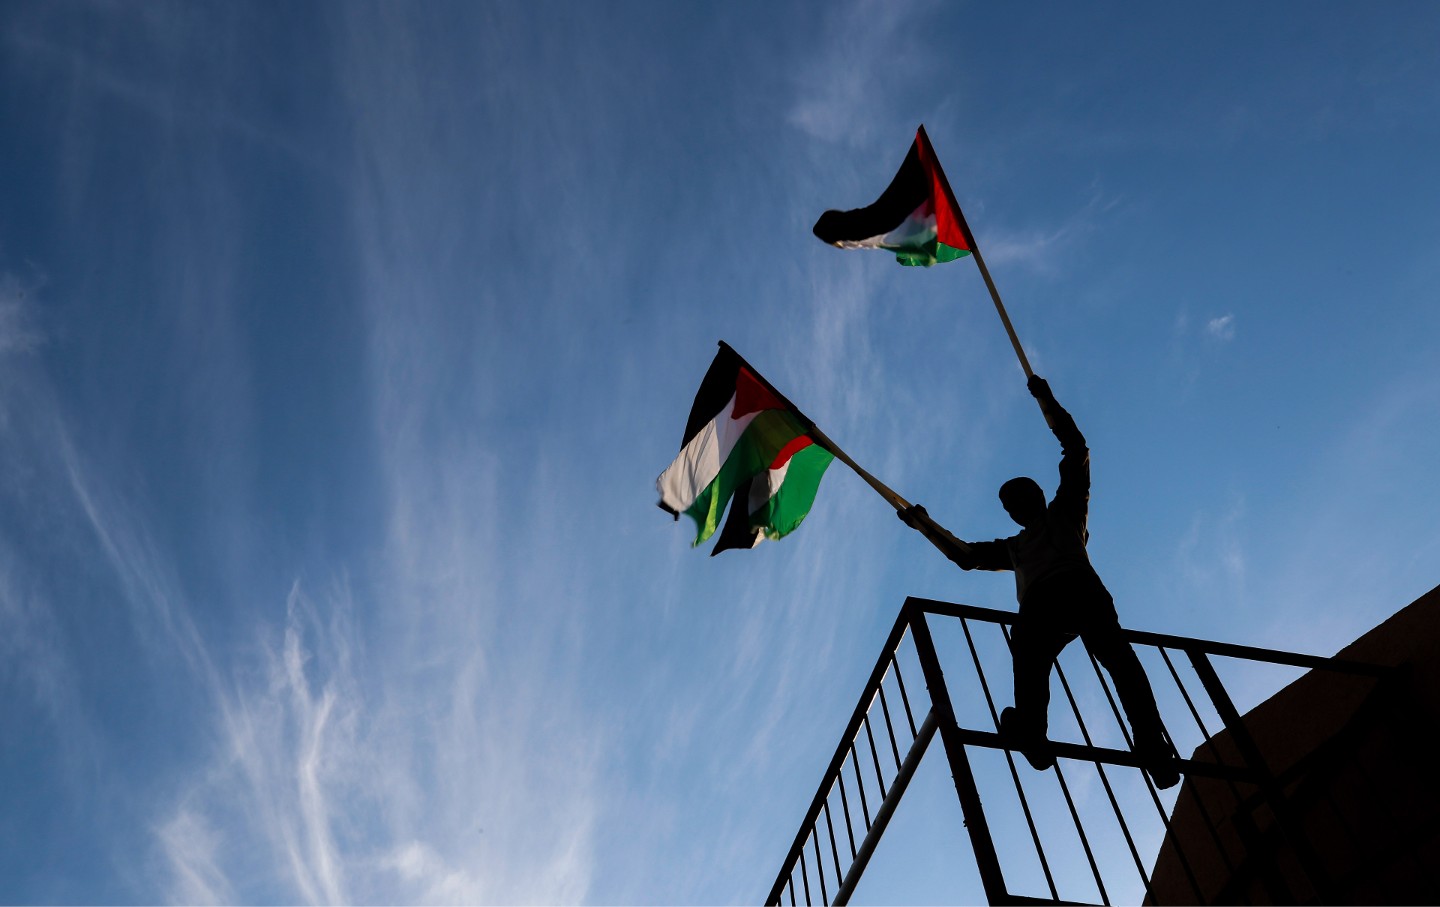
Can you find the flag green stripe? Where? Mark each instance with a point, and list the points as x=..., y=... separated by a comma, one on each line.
x=932, y=252
x=785, y=510
x=752, y=454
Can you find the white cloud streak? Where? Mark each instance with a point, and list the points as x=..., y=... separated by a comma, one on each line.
x=18, y=333
x=1040, y=249
x=867, y=47
x=437, y=755
x=1221, y=328
x=193, y=852
x=1211, y=555
x=432, y=752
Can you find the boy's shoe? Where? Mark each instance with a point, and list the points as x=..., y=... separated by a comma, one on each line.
x=1028, y=743
x=1161, y=763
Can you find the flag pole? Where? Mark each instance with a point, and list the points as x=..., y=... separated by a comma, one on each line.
x=984, y=271
x=995, y=296
x=885, y=491
x=975, y=251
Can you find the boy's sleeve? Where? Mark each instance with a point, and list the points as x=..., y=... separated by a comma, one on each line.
x=1073, y=495
x=989, y=556
x=966, y=555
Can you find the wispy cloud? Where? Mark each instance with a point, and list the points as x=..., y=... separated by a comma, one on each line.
x=1196, y=341
x=70, y=509
x=415, y=738
x=1211, y=554
x=38, y=662
x=287, y=748
x=867, y=48
x=436, y=752
x=193, y=852
x=18, y=331
x=1221, y=328
x=170, y=35
x=1042, y=249
x=421, y=788
x=145, y=574
x=35, y=443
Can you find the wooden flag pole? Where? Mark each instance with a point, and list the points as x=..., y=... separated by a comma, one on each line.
x=995, y=297
x=990, y=285
x=929, y=149
x=822, y=439
x=999, y=306
x=984, y=271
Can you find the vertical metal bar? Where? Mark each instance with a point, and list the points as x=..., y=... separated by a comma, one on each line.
x=1205, y=816
x=889, y=728
x=886, y=810
x=852, y=729
x=860, y=782
x=1059, y=774
x=1115, y=709
x=791, y=885
x=874, y=755
x=987, y=862
x=845, y=807
x=805, y=878
x=1140, y=867
x=1244, y=825
x=1249, y=751
x=819, y=866
x=1084, y=838
x=1185, y=694
x=834, y=850
x=1010, y=760
x=910, y=717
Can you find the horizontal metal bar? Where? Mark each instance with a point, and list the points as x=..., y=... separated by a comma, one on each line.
x=950, y=609
x=1210, y=647
x=1255, y=653
x=1083, y=753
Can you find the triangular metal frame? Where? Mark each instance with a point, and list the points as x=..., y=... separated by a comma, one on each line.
x=804, y=874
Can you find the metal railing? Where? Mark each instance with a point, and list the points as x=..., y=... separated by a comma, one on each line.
x=814, y=865
x=883, y=743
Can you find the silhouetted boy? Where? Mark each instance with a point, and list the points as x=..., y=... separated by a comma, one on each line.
x=1060, y=596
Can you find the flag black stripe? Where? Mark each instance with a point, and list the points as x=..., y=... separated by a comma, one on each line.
x=715, y=391
x=906, y=192
x=737, y=531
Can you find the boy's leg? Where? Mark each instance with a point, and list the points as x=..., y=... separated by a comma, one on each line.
x=1033, y=650
x=1099, y=626
x=1138, y=700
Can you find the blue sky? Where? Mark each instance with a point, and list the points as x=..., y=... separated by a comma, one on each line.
x=340, y=346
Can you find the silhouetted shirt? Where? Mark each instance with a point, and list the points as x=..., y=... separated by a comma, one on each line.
x=1056, y=544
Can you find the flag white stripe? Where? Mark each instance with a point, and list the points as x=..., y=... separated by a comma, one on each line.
x=700, y=460
x=762, y=492
x=915, y=231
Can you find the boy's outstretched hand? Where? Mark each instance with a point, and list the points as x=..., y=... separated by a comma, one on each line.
x=913, y=516
x=1039, y=388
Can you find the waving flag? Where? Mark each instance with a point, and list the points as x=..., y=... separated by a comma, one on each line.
x=916, y=217
x=746, y=447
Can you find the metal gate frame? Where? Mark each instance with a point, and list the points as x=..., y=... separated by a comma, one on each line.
x=808, y=849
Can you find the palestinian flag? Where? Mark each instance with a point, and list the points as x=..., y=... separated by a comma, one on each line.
x=916, y=217
x=746, y=447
